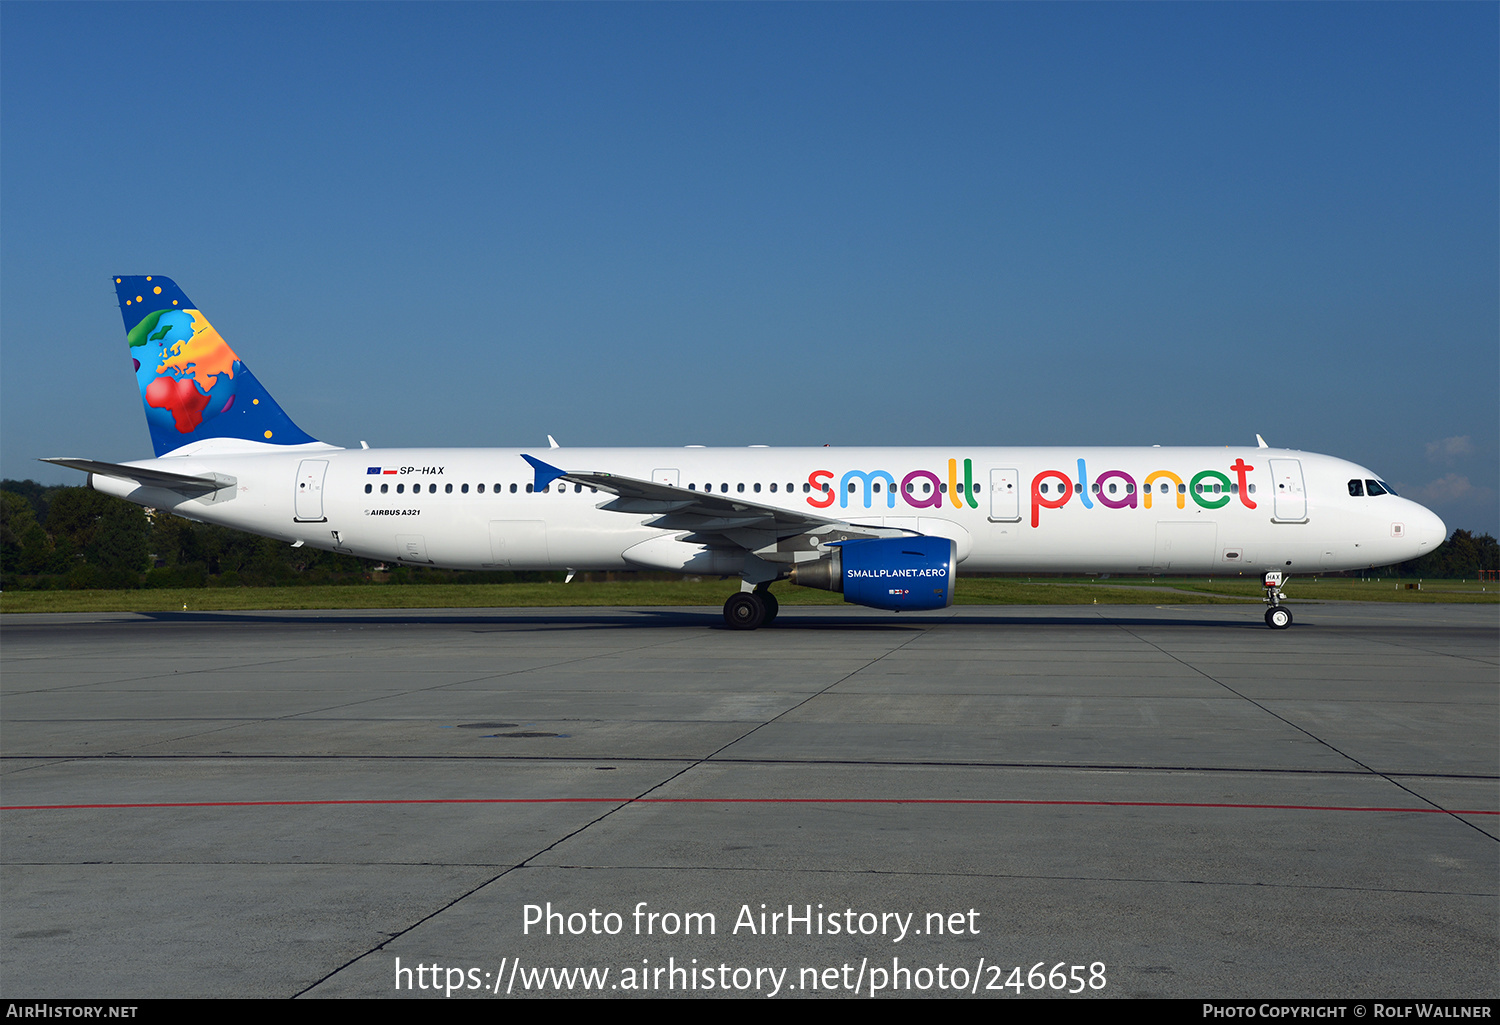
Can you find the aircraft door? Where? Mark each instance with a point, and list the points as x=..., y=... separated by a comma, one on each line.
x=1291, y=496
x=1183, y=547
x=519, y=544
x=411, y=548
x=1005, y=496
x=309, y=504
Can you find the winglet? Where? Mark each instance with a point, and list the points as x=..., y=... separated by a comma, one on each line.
x=1260, y=442
x=546, y=473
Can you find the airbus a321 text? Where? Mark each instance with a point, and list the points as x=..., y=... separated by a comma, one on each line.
x=890, y=528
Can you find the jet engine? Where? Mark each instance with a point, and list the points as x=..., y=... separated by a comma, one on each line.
x=894, y=573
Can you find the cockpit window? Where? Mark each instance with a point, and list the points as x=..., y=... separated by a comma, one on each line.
x=1356, y=489
x=1374, y=488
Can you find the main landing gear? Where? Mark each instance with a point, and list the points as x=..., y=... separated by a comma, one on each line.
x=749, y=610
x=1278, y=616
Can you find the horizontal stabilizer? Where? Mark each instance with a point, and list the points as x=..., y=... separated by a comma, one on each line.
x=185, y=483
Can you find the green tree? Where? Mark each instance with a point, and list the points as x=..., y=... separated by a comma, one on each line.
x=24, y=548
x=1463, y=555
x=118, y=546
x=73, y=516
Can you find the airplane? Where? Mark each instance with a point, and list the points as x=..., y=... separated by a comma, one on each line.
x=890, y=528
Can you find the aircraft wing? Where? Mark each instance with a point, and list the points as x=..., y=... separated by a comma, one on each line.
x=775, y=534
x=181, y=482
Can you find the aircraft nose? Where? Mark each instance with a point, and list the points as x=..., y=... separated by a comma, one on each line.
x=1427, y=528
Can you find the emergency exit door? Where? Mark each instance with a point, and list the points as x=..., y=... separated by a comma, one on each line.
x=309, y=502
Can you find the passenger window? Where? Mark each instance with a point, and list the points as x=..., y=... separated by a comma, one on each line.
x=384, y=488
x=740, y=488
x=447, y=489
x=1356, y=489
x=481, y=488
x=692, y=487
x=369, y=488
x=465, y=488
x=529, y=488
x=432, y=488
x=512, y=488
x=1181, y=489
x=942, y=488
x=773, y=489
x=1094, y=488
x=757, y=489
x=400, y=489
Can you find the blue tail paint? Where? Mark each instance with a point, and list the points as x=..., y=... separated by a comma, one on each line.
x=192, y=384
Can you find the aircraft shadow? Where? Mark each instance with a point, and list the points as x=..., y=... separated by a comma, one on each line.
x=672, y=618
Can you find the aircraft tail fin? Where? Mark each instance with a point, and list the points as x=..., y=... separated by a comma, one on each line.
x=192, y=384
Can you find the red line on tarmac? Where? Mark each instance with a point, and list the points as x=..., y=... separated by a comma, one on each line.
x=740, y=800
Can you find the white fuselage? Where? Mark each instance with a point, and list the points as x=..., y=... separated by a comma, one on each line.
x=1212, y=510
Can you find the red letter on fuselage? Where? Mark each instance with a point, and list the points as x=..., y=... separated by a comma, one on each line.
x=1240, y=469
x=1038, y=500
x=821, y=489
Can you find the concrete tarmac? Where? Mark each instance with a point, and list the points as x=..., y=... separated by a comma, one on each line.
x=1165, y=801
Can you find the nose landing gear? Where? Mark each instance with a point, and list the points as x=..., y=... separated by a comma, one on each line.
x=1278, y=616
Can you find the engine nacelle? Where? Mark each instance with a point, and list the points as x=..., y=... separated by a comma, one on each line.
x=901, y=574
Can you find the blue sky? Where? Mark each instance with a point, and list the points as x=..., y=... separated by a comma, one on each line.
x=476, y=224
